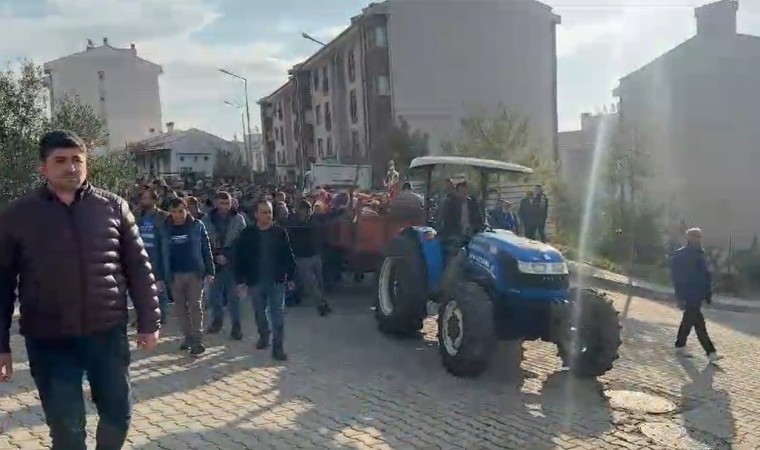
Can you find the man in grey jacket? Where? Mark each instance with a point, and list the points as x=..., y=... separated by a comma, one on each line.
x=224, y=225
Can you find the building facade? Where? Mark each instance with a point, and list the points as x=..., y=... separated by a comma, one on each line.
x=429, y=63
x=121, y=87
x=175, y=152
x=577, y=149
x=698, y=107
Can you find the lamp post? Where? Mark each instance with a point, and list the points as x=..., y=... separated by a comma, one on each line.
x=246, y=142
x=247, y=109
x=312, y=39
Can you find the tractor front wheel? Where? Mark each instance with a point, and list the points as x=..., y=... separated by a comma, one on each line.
x=587, y=333
x=466, y=338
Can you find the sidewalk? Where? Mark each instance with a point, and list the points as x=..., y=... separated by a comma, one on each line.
x=624, y=284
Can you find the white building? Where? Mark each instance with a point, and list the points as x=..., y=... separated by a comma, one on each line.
x=448, y=56
x=179, y=151
x=430, y=63
x=698, y=105
x=121, y=87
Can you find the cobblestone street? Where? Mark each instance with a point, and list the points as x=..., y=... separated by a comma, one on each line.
x=348, y=387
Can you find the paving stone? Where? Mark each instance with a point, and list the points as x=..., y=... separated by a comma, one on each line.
x=348, y=386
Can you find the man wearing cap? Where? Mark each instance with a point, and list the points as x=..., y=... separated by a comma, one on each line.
x=692, y=281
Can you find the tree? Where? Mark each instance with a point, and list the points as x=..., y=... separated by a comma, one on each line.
x=405, y=144
x=23, y=120
x=504, y=136
x=632, y=228
x=230, y=164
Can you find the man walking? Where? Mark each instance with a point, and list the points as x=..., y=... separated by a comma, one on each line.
x=692, y=282
x=264, y=264
x=149, y=220
x=224, y=225
x=185, y=263
x=303, y=231
x=77, y=253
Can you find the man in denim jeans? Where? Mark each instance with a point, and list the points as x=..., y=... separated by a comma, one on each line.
x=149, y=221
x=77, y=253
x=264, y=265
x=224, y=224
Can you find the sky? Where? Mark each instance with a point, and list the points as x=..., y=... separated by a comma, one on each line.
x=599, y=41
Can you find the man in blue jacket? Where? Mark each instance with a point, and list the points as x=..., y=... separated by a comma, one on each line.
x=692, y=281
x=185, y=263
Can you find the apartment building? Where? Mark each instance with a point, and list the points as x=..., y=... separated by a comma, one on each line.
x=120, y=86
x=698, y=107
x=429, y=63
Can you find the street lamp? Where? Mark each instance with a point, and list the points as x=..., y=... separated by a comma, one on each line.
x=247, y=109
x=246, y=142
x=312, y=39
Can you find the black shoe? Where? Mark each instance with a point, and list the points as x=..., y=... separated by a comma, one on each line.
x=215, y=327
x=185, y=345
x=262, y=343
x=278, y=353
x=324, y=309
x=236, y=334
x=197, y=349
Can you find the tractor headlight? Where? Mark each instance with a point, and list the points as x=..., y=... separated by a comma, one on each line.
x=540, y=268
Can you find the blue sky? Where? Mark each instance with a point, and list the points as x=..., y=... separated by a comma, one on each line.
x=599, y=41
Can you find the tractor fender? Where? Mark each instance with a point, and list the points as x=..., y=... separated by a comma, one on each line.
x=432, y=254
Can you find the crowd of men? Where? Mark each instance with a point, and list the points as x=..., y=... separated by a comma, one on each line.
x=71, y=252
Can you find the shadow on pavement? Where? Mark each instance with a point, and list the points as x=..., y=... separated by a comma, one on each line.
x=706, y=410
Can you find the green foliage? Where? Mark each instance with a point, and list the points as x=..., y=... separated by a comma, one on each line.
x=405, y=144
x=504, y=136
x=71, y=114
x=23, y=120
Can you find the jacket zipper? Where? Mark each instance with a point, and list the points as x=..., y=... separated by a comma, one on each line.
x=80, y=259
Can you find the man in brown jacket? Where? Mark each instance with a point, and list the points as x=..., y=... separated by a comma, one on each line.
x=71, y=253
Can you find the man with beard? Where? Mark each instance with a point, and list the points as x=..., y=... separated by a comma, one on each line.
x=224, y=225
x=149, y=220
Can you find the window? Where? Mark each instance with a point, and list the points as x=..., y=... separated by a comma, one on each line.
x=351, y=67
x=276, y=134
x=325, y=81
x=282, y=136
x=205, y=158
x=381, y=37
x=329, y=146
x=316, y=79
x=318, y=114
x=355, y=148
x=328, y=117
x=195, y=159
x=181, y=159
x=279, y=110
x=383, y=85
x=320, y=148
x=353, y=106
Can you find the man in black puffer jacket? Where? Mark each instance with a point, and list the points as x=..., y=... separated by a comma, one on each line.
x=74, y=252
x=263, y=262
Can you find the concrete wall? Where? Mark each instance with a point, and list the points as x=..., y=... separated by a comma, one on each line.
x=701, y=105
x=126, y=94
x=448, y=54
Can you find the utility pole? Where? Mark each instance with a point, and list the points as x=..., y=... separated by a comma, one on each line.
x=247, y=108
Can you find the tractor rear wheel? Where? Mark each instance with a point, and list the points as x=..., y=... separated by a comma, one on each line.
x=401, y=302
x=466, y=338
x=588, y=347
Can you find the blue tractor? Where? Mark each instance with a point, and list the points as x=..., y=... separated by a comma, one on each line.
x=491, y=285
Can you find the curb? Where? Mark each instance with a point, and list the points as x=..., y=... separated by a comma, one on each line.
x=628, y=288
